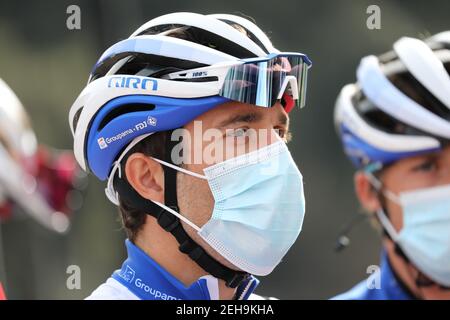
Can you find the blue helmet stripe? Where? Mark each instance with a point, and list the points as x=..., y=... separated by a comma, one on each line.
x=362, y=153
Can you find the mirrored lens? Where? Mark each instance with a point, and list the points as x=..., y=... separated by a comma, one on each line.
x=260, y=83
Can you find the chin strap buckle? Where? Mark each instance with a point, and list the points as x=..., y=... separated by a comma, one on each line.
x=168, y=221
x=237, y=279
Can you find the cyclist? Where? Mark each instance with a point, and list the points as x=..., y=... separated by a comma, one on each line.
x=196, y=229
x=394, y=123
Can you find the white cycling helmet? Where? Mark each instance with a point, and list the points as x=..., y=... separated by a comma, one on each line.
x=163, y=81
x=400, y=105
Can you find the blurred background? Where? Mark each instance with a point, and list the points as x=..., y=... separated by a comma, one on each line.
x=47, y=66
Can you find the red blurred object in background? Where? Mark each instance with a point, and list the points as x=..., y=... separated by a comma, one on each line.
x=55, y=173
x=2, y=293
x=5, y=210
x=47, y=185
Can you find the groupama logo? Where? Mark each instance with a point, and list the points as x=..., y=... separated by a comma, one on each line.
x=127, y=274
x=133, y=82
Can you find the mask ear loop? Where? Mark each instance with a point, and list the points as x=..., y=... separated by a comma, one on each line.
x=387, y=225
x=378, y=185
x=380, y=213
x=176, y=214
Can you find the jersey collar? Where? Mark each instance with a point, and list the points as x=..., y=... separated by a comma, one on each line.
x=391, y=284
x=149, y=281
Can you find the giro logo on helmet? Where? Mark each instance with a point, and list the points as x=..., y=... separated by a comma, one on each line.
x=132, y=82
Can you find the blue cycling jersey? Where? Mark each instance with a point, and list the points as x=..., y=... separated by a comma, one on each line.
x=390, y=286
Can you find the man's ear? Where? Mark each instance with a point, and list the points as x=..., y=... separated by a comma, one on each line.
x=366, y=193
x=146, y=176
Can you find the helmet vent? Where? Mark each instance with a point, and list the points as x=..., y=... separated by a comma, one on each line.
x=76, y=117
x=248, y=33
x=124, y=109
x=205, y=38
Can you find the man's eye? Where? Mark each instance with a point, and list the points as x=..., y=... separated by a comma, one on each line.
x=283, y=134
x=239, y=132
x=426, y=166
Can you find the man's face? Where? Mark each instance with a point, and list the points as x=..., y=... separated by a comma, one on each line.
x=414, y=173
x=224, y=132
x=410, y=174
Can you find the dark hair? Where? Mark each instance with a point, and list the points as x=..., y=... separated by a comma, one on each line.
x=133, y=219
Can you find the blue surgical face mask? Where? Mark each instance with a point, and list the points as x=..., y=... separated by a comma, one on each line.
x=259, y=208
x=425, y=235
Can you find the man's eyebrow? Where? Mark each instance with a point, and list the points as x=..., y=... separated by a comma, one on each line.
x=249, y=117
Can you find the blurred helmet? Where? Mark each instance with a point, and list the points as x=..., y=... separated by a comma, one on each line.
x=17, y=140
x=16, y=134
x=400, y=105
x=33, y=178
x=155, y=81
